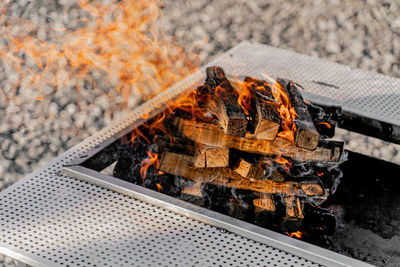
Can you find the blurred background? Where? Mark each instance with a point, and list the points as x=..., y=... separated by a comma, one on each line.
x=359, y=33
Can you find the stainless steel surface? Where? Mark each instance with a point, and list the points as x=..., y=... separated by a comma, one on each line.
x=246, y=230
x=361, y=92
x=48, y=219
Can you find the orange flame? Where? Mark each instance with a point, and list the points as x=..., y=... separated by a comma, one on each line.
x=159, y=187
x=120, y=45
x=286, y=111
x=297, y=234
x=245, y=96
x=327, y=125
x=146, y=163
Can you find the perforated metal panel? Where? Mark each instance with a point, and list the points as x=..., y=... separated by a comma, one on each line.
x=364, y=93
x=48, y=219
x=73, y=223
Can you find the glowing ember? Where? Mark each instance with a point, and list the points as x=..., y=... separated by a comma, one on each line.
x=297, y=234
x=327, y=125
x=159, y=187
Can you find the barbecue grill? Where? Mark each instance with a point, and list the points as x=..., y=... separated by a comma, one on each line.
x=65, y=214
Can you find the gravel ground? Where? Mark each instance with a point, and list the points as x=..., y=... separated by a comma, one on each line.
x=362, y=34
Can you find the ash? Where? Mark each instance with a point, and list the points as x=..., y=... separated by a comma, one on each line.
x=361, y=34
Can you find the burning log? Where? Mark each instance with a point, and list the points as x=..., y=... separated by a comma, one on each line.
x=182, y=165
x=211, y=135
x=312, y=188
x=256, y=155
x=232, y=201
x=247, y=169
x=193, y=189
x=207, y=156
x=306, y=135
x=325, y=118
x=175, y=144
x=263, y=110
x=264, y=203
x=222, y=102
x=294, y=208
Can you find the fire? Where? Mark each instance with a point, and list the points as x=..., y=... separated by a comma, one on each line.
x=286, y=164
x=244, y=98
x=120, y=45
x=284, y=108
x=159, y=187
x=327, y=125
x=146, y=163
x=297, y=234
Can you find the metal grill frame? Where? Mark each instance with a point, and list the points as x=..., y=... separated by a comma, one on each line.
x=51, y=177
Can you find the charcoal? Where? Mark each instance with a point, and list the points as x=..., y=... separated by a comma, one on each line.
x=319, y=220
x=230, y=201
x=164, y=183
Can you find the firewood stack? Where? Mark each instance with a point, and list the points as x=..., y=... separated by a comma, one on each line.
x=237, y=157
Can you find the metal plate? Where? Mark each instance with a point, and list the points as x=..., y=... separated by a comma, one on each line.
x=364, y=93
x=48, y=219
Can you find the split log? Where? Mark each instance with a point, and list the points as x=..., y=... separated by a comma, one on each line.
x=248, y=170
x=211, y=135
x=265, y=121
x=193, y=189
x=182, y=165
x=264, y=203
x=312, y=188
x=306, y=135
x=294, y=208
x=199, y=160
x=230, y=116
x=223, y=102
x=211, y=157
x=174, y=144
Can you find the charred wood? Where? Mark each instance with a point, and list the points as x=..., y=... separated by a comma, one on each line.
x=182, y=165
x=306, y=135
x=325, y=118
x=231, y=201
x=174, y=144
x=222, y=102
x=265, y=119
x=319, y=220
